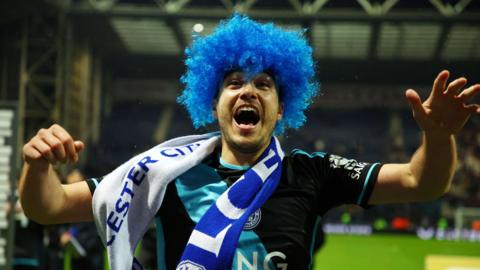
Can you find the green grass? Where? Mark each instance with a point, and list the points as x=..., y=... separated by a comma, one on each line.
x=380, y=252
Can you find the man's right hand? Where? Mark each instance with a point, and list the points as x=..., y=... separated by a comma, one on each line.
x=50, y=146
x=43, y=197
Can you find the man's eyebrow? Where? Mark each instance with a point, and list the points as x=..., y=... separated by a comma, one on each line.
x=264, y=76
x=233, y=77
x=230, y=72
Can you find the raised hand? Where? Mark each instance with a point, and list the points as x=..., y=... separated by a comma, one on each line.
x=52, y=145
x=446, y=110
x=44, y=198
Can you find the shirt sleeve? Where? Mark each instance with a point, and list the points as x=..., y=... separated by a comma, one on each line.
x=350, y=181
x=338, y=180
x=93, y=183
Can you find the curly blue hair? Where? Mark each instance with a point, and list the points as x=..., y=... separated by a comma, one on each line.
x=241, y=43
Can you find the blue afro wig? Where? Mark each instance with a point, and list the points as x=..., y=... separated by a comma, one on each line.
x=246, y=45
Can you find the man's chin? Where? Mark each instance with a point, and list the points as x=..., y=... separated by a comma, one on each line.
x=246, y=144
x=246, y=140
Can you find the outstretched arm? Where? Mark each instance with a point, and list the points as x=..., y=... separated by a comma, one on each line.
x=43, y=197
x=430, y=171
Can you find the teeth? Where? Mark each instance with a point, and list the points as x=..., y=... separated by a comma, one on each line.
x=248, y=109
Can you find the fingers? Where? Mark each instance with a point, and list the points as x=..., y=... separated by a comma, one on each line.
x=440, y=83
x=53, y=145
x=31, y=152
x=79, y=146
x=45, y=151
x=416, y=105
x=473, y=108
x=66, y=141
x=455, y=86
x=469, y=93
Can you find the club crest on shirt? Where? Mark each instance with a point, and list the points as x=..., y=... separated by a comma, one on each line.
x=253, y=220
x=354, y=167
x=189, y=265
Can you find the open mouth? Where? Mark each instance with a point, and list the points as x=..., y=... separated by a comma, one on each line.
x=246, y=115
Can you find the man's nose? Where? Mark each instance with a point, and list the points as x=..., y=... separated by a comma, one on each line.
x=248, y=91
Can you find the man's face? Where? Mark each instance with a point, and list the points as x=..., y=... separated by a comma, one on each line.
x=247, y=111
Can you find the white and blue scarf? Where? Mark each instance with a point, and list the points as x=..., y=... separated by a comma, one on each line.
x=127, y=199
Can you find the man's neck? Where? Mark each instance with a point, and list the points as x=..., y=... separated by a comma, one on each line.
x=235, y=157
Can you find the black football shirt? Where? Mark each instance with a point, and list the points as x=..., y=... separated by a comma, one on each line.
x=279, y=235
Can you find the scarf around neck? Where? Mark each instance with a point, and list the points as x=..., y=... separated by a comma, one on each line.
x=127, y=200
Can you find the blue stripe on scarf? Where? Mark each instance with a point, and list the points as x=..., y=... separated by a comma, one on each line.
x=198, y=189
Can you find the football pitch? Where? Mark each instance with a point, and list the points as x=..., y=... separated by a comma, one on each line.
x=380, y=252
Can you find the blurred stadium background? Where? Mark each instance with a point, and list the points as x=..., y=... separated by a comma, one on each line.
x=108, y=71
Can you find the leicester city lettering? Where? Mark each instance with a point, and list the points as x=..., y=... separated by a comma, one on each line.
x=133, y=179
x=182, y=151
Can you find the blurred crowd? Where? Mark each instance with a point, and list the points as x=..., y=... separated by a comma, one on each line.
x=55, y=247
x=465, y=189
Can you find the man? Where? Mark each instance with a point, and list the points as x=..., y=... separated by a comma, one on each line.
x=229, y=200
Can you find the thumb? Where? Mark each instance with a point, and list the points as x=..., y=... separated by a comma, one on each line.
x=416, y=104
x=79, y=146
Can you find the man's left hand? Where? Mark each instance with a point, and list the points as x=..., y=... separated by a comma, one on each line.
x=446, y=110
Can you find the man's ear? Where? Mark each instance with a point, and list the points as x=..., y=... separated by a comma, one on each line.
x=280, y=111
x=214, y=108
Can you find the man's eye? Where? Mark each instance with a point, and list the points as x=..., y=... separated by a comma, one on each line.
x=235, y=83
x=262, y=85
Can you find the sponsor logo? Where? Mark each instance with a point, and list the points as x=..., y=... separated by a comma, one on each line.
x=253, y=220
x=189, y=265
x=353, y=167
